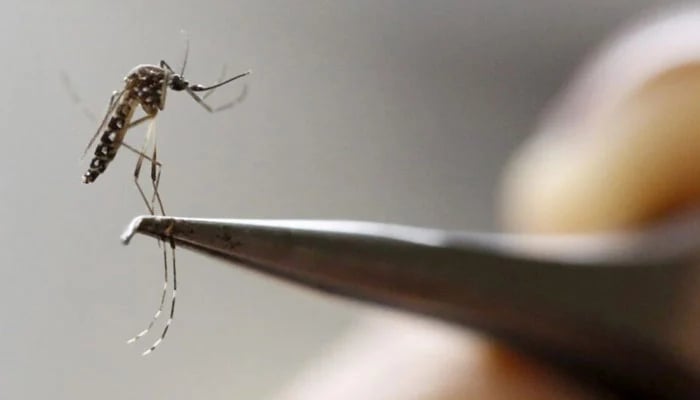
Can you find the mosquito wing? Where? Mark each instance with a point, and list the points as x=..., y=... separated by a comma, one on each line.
x=113, y=102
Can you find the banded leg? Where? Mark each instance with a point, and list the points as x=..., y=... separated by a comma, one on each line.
x=172, y=304
x=162, y=301
x=155, y=178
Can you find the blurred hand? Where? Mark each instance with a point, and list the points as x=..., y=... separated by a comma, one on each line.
x=618, y=149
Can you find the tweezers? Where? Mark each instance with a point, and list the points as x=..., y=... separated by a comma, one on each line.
x=620, y=310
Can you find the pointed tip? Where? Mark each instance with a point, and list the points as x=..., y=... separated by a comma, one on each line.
x=147, y=352
x=151, y=225
x=130, y=341
x=131, y=229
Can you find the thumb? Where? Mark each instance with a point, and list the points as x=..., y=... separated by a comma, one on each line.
x=621, y=146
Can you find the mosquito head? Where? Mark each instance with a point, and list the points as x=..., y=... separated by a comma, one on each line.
x=178, y=83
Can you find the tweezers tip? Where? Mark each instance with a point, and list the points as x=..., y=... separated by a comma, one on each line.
x=132, y=229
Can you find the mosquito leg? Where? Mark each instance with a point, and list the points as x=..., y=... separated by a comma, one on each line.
x=150, y=137
x=132, y=148
x=218, y=81
x=139, y=121
x=138, y=152
x=137, y=170
x=209, y=108
x=77, y=100
x=155, y=165
x=162, y=301
x=164, y=64
x=156, y=169
x=172, y=304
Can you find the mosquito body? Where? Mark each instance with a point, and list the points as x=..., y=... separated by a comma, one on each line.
x=146, y=86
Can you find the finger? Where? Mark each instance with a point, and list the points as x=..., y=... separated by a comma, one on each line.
x=390, y=357
x=621, y=146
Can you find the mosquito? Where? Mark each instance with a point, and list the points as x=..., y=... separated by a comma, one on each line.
x=146, y=86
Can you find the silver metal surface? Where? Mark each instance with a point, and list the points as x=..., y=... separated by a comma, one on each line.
x=617, y=310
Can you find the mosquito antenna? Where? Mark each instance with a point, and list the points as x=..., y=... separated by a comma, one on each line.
x=199, y=88
x=187, y=52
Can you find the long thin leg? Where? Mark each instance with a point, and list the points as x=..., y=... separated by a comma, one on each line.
x=218, y=81
x=132, y=148
x=139, y=153
x=230, y=104
x=162, y=301
x=156, y=169
x=156, y=184
x=139, y=121
x=172, y=304
x=70, y=88
x=149, y=137
x=155, y=177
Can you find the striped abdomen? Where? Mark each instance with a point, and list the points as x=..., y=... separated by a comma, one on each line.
x=110, y=140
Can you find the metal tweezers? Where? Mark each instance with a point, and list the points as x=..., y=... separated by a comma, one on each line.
x=620, y=310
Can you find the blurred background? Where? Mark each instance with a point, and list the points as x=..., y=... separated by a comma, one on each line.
x=392, y=111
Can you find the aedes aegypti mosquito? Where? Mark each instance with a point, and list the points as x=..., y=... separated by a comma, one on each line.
x=147, y=86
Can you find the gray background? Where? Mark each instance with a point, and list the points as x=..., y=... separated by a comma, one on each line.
x=400, y=111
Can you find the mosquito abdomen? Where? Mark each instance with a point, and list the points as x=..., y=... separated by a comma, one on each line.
x=109, y=142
